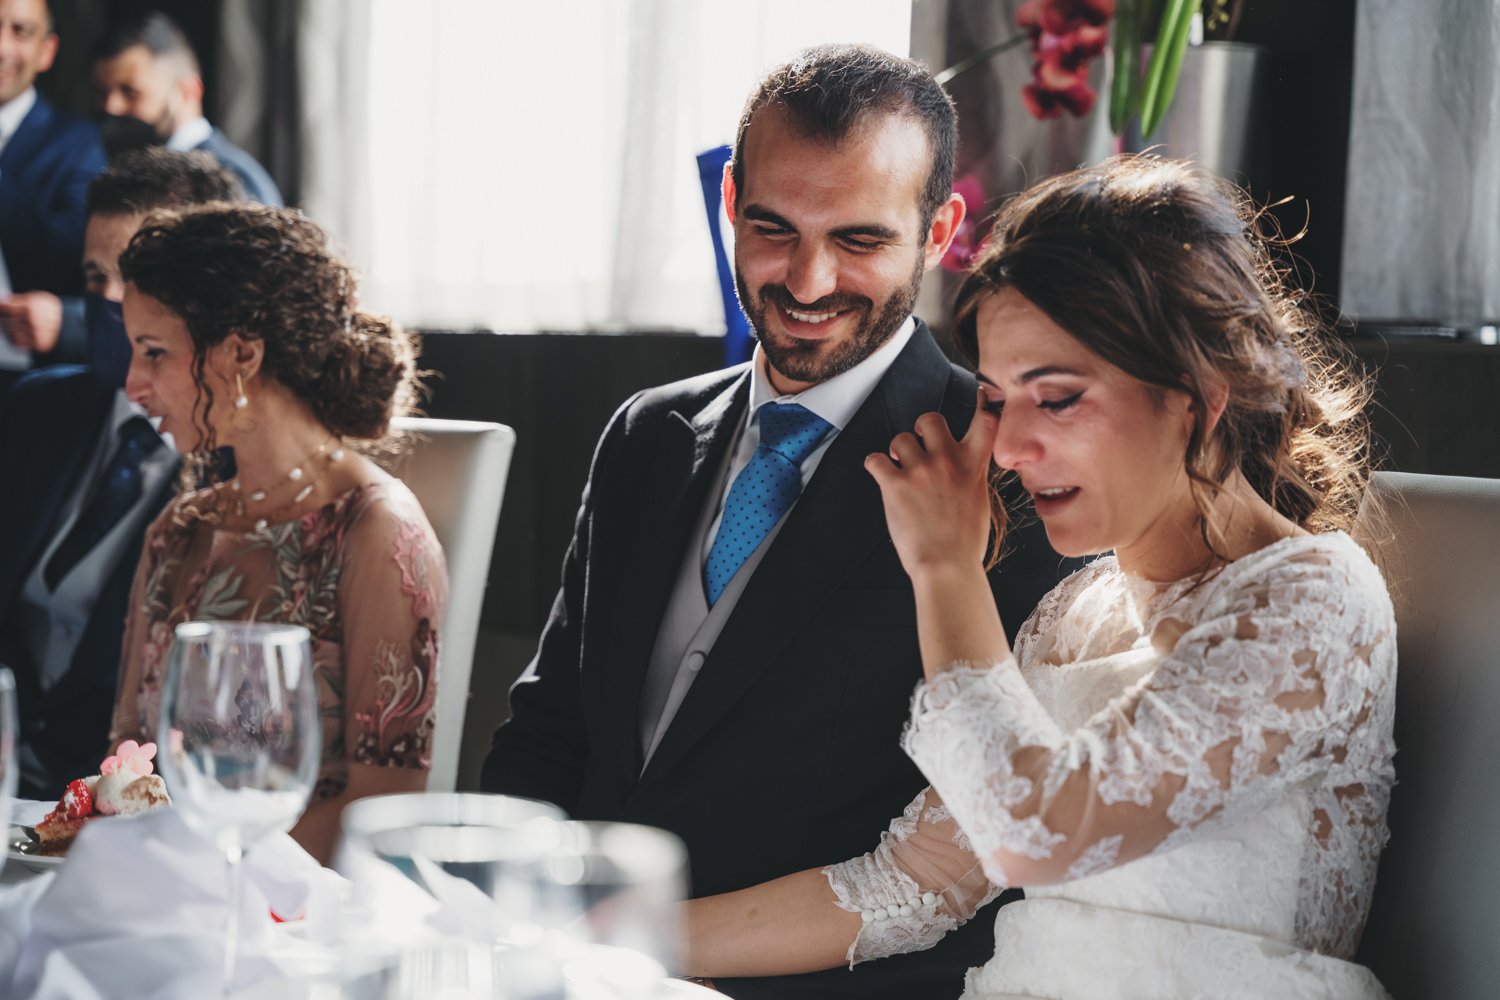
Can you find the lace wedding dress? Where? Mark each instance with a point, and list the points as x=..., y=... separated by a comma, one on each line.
x=1189, y=780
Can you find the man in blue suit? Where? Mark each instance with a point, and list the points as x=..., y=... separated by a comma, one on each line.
x=85, y=473
x=145, y=69
x=46, y=162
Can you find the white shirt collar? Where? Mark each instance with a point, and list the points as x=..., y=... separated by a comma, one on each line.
x=837, y=399
x=190, y=135
x=13, y=113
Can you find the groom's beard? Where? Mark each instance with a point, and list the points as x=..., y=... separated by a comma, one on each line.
x=814, y=361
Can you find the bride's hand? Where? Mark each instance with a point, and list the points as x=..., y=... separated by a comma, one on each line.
x=936, y=494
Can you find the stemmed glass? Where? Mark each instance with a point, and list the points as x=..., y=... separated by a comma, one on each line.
x=240, y=738
x=10, y=769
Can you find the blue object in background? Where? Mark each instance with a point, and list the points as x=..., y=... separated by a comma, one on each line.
x=737, y=343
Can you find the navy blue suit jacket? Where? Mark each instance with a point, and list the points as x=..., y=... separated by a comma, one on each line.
x=45, y=172
x=785, y=754
x=258, y=184
x=49, y=427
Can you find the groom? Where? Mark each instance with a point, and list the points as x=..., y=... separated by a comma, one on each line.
x=734, y=646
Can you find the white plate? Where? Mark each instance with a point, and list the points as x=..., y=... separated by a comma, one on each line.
x=32, y=862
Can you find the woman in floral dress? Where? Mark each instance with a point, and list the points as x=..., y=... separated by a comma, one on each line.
x=247, y=340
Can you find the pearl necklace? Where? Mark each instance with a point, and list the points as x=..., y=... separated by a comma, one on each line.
x=294, y=475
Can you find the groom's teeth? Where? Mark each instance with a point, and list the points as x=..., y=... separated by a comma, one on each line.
x=805, y=317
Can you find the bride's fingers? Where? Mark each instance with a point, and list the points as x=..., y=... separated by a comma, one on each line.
x=933, y=432
x=882, y=470
x=906, y=448
x=979, y=440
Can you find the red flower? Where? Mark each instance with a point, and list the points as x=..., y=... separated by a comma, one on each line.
x=1065, y=35
x=1077, y=100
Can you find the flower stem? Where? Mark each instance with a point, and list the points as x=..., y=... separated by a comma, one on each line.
x=960, y=68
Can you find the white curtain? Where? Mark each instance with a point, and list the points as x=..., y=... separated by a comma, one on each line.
x=530, y=166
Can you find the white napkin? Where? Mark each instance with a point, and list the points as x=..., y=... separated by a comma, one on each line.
x=139, y=910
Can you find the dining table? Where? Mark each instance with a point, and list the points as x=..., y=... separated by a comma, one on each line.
x=138, y=908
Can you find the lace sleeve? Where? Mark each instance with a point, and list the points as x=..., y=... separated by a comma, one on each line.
x=1284, y=679
x=920, y=883
x=392, y=596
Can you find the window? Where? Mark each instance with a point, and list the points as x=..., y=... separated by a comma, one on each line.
x=531, y=166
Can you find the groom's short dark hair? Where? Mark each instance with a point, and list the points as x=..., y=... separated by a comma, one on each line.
x=829, y=90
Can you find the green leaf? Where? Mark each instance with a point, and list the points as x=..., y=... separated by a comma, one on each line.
x=1166, y=63
x=1125, y=87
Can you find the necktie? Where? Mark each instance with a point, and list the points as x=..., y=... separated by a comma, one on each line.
x=764, y=490
x=117, y=490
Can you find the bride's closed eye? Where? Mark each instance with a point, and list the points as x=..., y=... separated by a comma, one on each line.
x=1060, y=404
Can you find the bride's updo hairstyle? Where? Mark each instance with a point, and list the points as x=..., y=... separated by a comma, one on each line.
x=1163, y=270
x=271, y=274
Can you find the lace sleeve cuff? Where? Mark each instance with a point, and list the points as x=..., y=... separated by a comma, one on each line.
x=896, y=916
x=921, y=882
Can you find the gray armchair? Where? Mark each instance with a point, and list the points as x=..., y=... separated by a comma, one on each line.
x=1434, y=929
x=457, y=469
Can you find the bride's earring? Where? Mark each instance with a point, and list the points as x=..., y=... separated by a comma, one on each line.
x=240, y=400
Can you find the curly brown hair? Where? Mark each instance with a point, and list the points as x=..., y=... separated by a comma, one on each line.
x=1164, y=271
x=271, y=274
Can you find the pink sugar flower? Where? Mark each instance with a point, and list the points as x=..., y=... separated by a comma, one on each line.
x=130, y=757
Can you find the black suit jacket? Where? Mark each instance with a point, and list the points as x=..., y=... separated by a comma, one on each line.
x=51, y=423
x=785, y=754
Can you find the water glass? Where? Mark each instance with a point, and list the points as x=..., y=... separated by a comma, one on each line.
x=628, y=881
x=439, y=907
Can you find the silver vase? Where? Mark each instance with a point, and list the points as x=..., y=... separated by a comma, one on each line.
x=1213, y=117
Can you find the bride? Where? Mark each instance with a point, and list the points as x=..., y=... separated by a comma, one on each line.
x=1186, y=758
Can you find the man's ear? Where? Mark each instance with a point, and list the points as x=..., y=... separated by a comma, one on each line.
x=727, y=190
x=944, y=227
x=49, y=53
x=190, y=89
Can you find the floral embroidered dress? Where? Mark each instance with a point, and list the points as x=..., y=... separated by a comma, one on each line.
x=1190, y=781
x=364, y=574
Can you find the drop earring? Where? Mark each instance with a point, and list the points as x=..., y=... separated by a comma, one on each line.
x=240, y=400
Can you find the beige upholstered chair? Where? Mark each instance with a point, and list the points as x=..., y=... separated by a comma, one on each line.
x=1434, y=929
x=457, y=469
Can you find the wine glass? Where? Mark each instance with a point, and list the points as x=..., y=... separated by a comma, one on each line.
x=241, y=738
x=10, y=769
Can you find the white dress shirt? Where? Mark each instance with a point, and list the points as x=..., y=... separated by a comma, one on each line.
x=190, y=135
x=13, y=113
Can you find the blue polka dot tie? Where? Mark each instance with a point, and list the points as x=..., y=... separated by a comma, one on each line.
x=763, y=491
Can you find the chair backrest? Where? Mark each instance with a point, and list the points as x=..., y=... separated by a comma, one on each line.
x=457, y=469
x=1435, y=921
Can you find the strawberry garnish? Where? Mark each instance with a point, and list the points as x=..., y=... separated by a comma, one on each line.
x=76, y=802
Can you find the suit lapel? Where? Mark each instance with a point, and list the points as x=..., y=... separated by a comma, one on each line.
x=836, y=524
x=673, y=491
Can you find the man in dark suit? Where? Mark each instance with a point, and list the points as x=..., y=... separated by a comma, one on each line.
x=733, y=650
x=85, y=473
x=46, y=162
x=145, y=69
